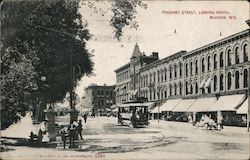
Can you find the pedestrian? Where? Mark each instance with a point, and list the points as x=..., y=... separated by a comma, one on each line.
x=79, y=128
x=85, y=116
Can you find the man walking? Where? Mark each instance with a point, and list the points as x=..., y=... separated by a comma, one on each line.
x=79, y=128
x=85, y=117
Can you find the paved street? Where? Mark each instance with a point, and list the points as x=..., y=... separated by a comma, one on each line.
x=104, y=139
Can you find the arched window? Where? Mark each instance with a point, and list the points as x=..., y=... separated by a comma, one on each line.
x=203, y=65
x=180, y=88
x=196, y=88
x=196, y=66
x=158, y=76
x=175, y=71
x=221, y=59
x=186, y=88
x=186, y=69
x=175, y=89
x=208, y=63
x=229, y=81
x=150, y=78
x=165, y=94
x=170, y=72
x=237, y=55
x=191, y=68
x=245, y=53
x=162, y=75
x=245, y=77
x=170, y=90
x=154, y=77
x=215, y=83
x=180, y=69
x=229, y=62
x=165, y=78
x=237, y=80
x=221, y=82
x=215, y=61
x=191, y=89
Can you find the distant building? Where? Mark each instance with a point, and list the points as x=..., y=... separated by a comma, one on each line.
x=99, y=98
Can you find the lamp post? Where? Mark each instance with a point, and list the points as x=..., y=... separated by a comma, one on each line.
x=73, y=111
x=158, y=106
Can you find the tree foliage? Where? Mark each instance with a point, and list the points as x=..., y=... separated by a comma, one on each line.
x=49, y=38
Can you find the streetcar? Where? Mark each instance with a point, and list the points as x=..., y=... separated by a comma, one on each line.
x=135, y=114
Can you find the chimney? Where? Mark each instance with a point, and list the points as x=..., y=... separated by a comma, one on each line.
x=248, y=22
x=155, y=54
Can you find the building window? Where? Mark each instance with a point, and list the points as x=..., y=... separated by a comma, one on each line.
x=196, y=88
x=180, y=89
x=191, y=89
x=186, y=88
x=229, y=81
x=170, y=90
x=208, y=63
x=245, y=77
x=180, y=69
x=245, y=53
x=154, y=94
x=221, y=59
x=162, y=76
x=186, y=69
x=237, y=80
x=170, y=72
x=165, y=78
x=196, y=66
x=191, y=68
x=229, y=62
x=203, y=65
x=150, y=78
x=158, y=76
x=165, y=93
x=175, y=89
x=221, y=82
x=175, y=71
x=154, y=77
x=215, y=61
x=215, y=83
x=237, y=55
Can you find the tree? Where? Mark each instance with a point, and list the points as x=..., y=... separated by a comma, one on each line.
x=42, y=38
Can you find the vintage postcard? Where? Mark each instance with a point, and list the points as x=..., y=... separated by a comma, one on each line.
x=125, y=79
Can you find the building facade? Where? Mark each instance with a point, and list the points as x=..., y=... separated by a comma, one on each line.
x=128, y=76
x=99, y=98
x=217, y=69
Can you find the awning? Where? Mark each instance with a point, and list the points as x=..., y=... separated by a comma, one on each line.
x=135, y=92
x=243, y=108
x=228, y=103
x=115, y=110
x=202, y=104
x=183, y=105
x=208, y=82
x=116, y=89
x=113, y=106
x=170, y=104
x=202, y=83
x=146, y=104
x=156, y=109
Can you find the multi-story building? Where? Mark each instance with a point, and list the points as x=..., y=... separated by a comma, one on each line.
x=128, y=76
x=215, y=70
x=99, y=98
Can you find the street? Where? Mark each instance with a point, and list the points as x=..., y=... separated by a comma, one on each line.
x=103, y=138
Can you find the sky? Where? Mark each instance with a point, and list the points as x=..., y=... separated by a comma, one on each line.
x=156, y=33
